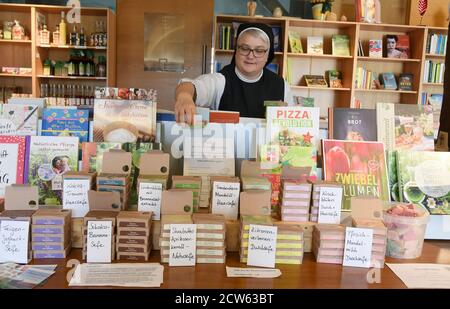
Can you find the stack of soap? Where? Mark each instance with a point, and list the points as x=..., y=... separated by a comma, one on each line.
x=290, y=244
x=100, y=215
x=246, y=221
x=133, y=235
x=115, y=183
x=51, y=234
x=295, y=201
x=164, y=240
x=191, y=183
x=314, y=217
x=205, y=194
x=211, y=244
x=307, y=228
x=19, y=215
x=163, y=180
x=379, y=241
x=328, y=243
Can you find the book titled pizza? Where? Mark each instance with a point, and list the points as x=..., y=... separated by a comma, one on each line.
x=12, y=161
x=359, y=166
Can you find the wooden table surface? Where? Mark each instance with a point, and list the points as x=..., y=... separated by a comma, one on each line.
x=309, y=275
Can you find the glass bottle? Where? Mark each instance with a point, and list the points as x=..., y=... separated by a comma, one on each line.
x=56, y=36
x=82, y=37
x=74, y=36
x=62, y=31
x=47, y=67
x=18, y=32
x=101, y=67
x=45, y=36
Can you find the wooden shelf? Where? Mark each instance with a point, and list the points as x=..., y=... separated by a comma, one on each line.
x=386, y=91
x=433, y=84
x=320, y=88
x=386, y=28
x=72, y=77
x=435, y=56
x=325, y=56
x=73, y=47
x=387, y=59
x=15, y=75
x=16, y=41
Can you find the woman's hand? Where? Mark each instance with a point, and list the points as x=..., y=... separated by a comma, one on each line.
x=184, y=105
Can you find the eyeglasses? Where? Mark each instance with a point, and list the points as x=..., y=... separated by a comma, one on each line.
x=257, y=52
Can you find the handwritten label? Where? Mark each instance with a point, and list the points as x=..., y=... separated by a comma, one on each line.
x=358, y=247
x=150, y=198
x=7, y=127
x=182, y=244
x=330, y=204
x=262, y=244
x=225, y=199
x=8, y=165
x=99, y=239
x=14, y=241
x=75, y=196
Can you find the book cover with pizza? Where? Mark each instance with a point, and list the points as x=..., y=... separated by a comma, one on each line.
x=12, y=161
x=359, y=166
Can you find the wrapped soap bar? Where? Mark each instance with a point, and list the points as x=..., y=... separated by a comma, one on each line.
x=406, y=224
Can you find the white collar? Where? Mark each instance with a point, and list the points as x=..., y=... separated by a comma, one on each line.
x=247, y=80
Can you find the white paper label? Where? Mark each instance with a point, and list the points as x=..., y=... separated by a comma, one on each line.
x=262, y=245
x=358, y=247
x=14, y=241
x=236, y=272
x=150, y=198
x=330, y=203
x=99, y=241
x=225, y=199
x=8, y=165
x=182, y=244
x=75, y=196
x=57, y=182
x=7, y=127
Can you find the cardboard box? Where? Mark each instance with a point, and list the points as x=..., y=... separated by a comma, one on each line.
x=100, y=215
x=52, y=217
x=123, y=248
x=73, y=175
x=156, y=232
x=54, y=254
x=367, y=212
x=104, y=201
x=134, y=219
x=254, y=203
x=21, y=197
x=50, y=229
x=133, y=240
x=154, y=163
x=138, y=257
x=176, y=202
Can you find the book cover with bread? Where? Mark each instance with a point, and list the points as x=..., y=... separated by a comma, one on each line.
x=124, y=121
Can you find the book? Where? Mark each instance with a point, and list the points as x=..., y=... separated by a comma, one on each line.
x=316, y=81
x=397, y=46
x=49, y=159
x=295, y=44
x=315, y=45
x=340, y=45
x=388, y=81
x=274, y=67
x=122, y=121
x=423, y=178
x=12, y=161
x=352, y=124
x=359, y=166
x=223, y=116
x=304, y=101
x=293, y=126
x=405, y=81
x=405, y=126
x=66, y=122
x=376, y=48
x=19, y=120
x=435, y=100
x=334, y=79
x=277, y=35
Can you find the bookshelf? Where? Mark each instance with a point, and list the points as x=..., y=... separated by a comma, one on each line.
x=29, y=53
x=297, y=65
